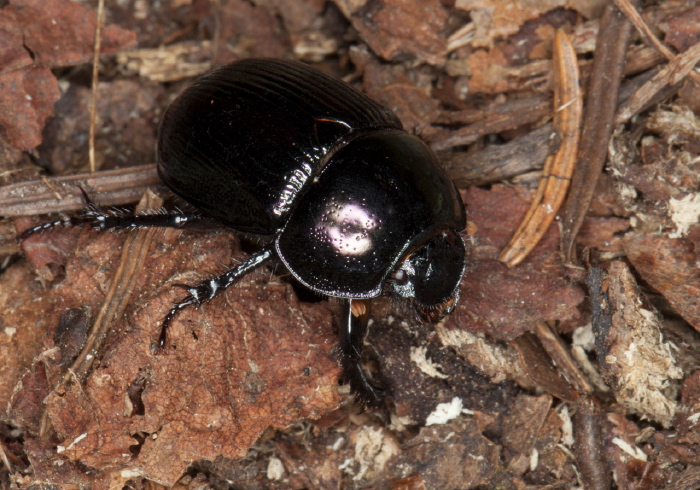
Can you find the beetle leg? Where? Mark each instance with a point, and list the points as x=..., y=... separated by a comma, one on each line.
x=352, y=336
x=102, y=219
x=206, y=291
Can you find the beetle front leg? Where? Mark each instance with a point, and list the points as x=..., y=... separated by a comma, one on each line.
x=208, y=290
x=352, y=336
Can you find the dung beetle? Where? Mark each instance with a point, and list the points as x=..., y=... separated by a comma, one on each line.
x=325, y=178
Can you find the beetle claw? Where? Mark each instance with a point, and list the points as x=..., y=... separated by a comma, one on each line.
x=366, y=394
x=157, y=349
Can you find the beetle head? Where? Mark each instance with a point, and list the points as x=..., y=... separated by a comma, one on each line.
x=430, y=276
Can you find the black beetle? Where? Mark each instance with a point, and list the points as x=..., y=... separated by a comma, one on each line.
x=327, y=179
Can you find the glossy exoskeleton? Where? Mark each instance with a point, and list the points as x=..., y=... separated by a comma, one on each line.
x=337, y=191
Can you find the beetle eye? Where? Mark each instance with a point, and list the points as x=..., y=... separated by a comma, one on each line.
x=403, y=279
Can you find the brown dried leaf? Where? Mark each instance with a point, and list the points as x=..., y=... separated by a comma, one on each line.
x=303, y=26
x=670, y=266
x=469, y=460
x=506, y=302
x=538, y=365
x=488, y=72
x=682, y=30
x=13, y=54
x=249, y=29
x=47, y=256
x=552, y=458
x=405, y=92
x=50, y=33
x=298, y=15
x=252, y=358
x=602, y=233
x=522, y=425
x=127, y=113
x=397, y=29
x=22, y=327
x=27, y=97
x=623, y=453
x=414, y=106
x=71, y=474
x=62, y=33
x=495, y=19
x=686, y=417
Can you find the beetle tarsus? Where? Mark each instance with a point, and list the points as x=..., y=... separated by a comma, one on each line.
x=366, y=393
x=352, y=335
x=208, y=290
x=59, y=223
x=159, y=348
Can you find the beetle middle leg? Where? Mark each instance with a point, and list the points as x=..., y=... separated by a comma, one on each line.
x=352, y=336
x=207, y=290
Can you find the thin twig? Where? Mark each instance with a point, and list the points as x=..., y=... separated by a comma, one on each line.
x=95, y=78
x=671, y=74
x=591, y=460
x=5, y=460
x=116, y=300
x=60, y=194
x=560, y=354
x=600, y=105
x=635, y=18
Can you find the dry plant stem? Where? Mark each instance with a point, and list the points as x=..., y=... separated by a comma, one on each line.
x=117, y=298
x=505, y=111
x=670, y=75
x=562, y=357
x=61, y=194
x=630, y=11
x=509, y=115
x=589, y=446
x=499, y=162
x=600, y=104
x=559, y=167
x=5, y=460
x=521, y=155
x=95, y=78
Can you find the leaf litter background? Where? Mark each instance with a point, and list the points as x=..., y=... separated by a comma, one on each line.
x=248, y=397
